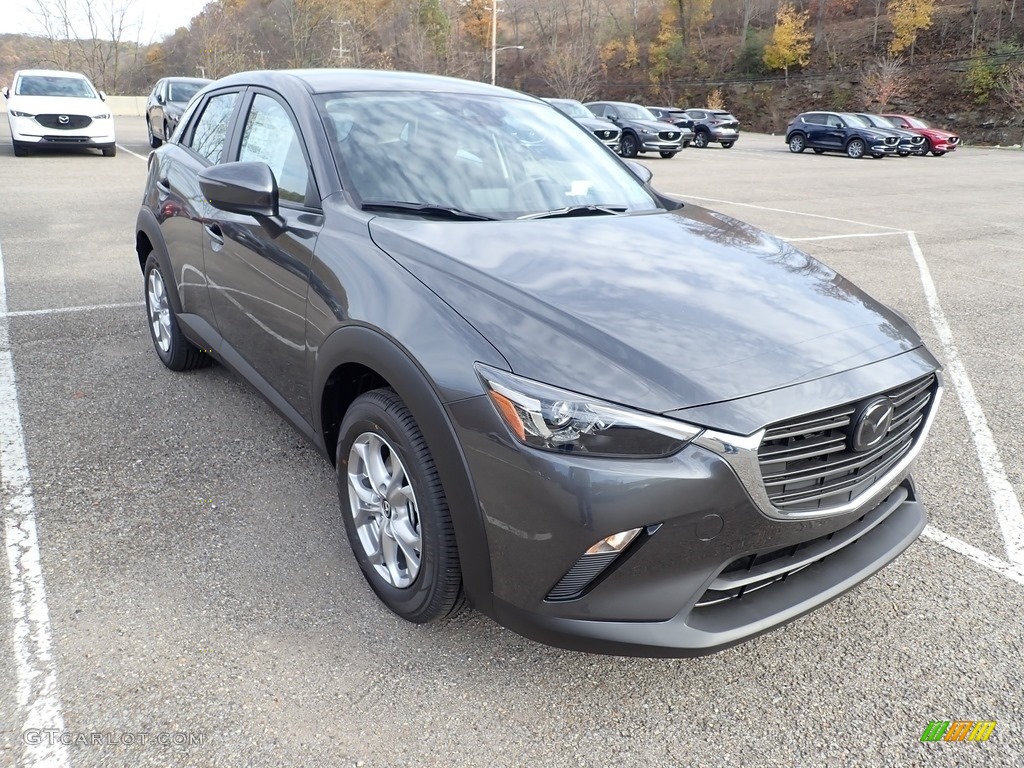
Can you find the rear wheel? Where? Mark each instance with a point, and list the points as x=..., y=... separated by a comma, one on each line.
x=727, y=144
x=855, y=148
x=701, y=139
x=154, y=142
x=668, y=155
x=797, y=143
x=630, y=147
x=877, y=155
x=173, y=349
x=395, y=511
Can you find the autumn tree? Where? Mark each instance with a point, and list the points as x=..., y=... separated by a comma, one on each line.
x=791, y=41
x=884, y=79
x=908, y=17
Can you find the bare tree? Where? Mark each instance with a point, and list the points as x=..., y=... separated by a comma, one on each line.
x=571, y=68
x=884, y=79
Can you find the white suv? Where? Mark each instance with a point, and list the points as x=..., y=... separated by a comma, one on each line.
x=52, y=108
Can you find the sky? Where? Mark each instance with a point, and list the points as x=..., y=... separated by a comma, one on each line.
x=154, y=19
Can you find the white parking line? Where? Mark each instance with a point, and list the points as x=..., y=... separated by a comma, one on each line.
x=62, y=310
x=125, y=149
x=1010, y=571
x=783, y=210
x=1004, y=500
x=840, y=237
x=37, y=699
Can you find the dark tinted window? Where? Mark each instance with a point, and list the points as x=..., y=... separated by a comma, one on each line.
x=212, y=126
x=182, y=92
x=270, y=137
x=814, y=118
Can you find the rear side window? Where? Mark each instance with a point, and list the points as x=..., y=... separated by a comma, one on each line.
x=212, y=127
x=271, y=138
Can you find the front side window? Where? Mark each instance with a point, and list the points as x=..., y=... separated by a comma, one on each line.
x=493, y=156
x=55, y=85
x=271, y=138
x=182, y=92
x=212, y=126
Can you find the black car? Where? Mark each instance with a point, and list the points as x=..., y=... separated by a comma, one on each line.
x=605, y=130
x=711, y=126
x=911, y=142
x=641, y=132
x=165, y=104
x=607, y=419
x=840, y=132
x=676, y=117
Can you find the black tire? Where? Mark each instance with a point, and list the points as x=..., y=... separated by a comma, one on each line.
x=180, y=354
x=630, y=146
x=20, y=149
x=167, y=133
x=436, y=590
x=877, y=155
x=797, y=143
x=819, y=151
x=938, y=152
x=855, y=148
x=727, y=144
x=154, y=142
x=668, y=155
x=110, y=151
x=903, y=154
x=701, y=139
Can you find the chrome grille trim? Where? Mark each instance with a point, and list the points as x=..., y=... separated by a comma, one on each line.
x=741, y=453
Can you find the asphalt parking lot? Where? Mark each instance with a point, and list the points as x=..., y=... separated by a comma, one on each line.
x=199, y=584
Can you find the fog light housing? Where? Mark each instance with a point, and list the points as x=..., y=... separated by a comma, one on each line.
x=614, y=543
x=592, y=564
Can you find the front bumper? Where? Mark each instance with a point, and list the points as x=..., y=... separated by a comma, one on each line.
x=657, y=145
x=668, y=593
x=945, y=145
x=98, y=135
x=883, y=149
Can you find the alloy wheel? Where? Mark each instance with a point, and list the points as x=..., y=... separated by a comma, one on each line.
x=159, y=311
x=384, y=510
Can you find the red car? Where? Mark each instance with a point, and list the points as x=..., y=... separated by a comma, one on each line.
x=939, y=142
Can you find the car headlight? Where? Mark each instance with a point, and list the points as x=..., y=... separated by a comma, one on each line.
x=16, y=113
x=648, y=132
x=104, y=116
x=557, y=420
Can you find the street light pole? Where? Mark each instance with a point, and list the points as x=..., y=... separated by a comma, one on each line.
x=341, y=47
x=494, y=39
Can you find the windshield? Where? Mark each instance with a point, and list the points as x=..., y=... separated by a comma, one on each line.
x=856, y=121
x=493, y=156
x=877, y=120
x=571, y=108
x=633, y=112
x=54, y=85
x=183, y=91
x=917, y=122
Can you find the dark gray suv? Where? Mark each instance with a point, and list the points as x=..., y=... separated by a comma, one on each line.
x=607, y=419
x=641, y=131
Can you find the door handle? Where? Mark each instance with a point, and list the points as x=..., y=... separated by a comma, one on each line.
x=163, y=185
x=215, y=235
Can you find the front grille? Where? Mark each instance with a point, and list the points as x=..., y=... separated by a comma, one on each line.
x=917, y=140
x=74, y=122
x=756, y=571
x=68, y=139
x=607, y=135
x=809, y=464
x=891, y=139
x=668, y=135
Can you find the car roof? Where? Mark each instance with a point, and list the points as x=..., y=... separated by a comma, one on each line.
x=669, y=109
x=333, y=80
x=50, y=73
x=200, y=80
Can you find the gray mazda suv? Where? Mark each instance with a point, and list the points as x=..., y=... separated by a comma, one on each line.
x=609, y=420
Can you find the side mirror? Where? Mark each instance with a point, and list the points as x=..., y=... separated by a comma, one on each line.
x=246, y=188
x=613, y=117
x=642, y=172
x=103, y=96
x=7, y=92
x=159, y=98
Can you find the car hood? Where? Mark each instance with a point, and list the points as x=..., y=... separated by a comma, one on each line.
x=657, y=311
x=57, y=105
x=652, y=125
x=596, y=124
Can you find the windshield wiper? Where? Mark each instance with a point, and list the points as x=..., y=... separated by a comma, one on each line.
x=578, y=210
x=425, y=208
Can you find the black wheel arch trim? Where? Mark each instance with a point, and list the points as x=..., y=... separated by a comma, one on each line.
x=147, y=225
x=366, y=346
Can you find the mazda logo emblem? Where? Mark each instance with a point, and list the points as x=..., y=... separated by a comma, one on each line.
x=872, y=425
x=63, y=119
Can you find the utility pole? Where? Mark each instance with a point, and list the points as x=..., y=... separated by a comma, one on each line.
x=494, y=38
x=341, y=46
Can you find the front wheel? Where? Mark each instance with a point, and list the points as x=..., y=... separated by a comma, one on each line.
x=154, y=142
x=395, y=511
x=173, y=349
x=938, y=152
x=797, y=143
x=668, y=155
x=727, y=144
x=110, y=151
x=855, y=149
x=629, y=145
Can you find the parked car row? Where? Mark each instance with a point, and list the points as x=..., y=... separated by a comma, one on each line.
x=862, y=133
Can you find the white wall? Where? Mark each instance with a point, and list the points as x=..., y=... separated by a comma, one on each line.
x=119, y=105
